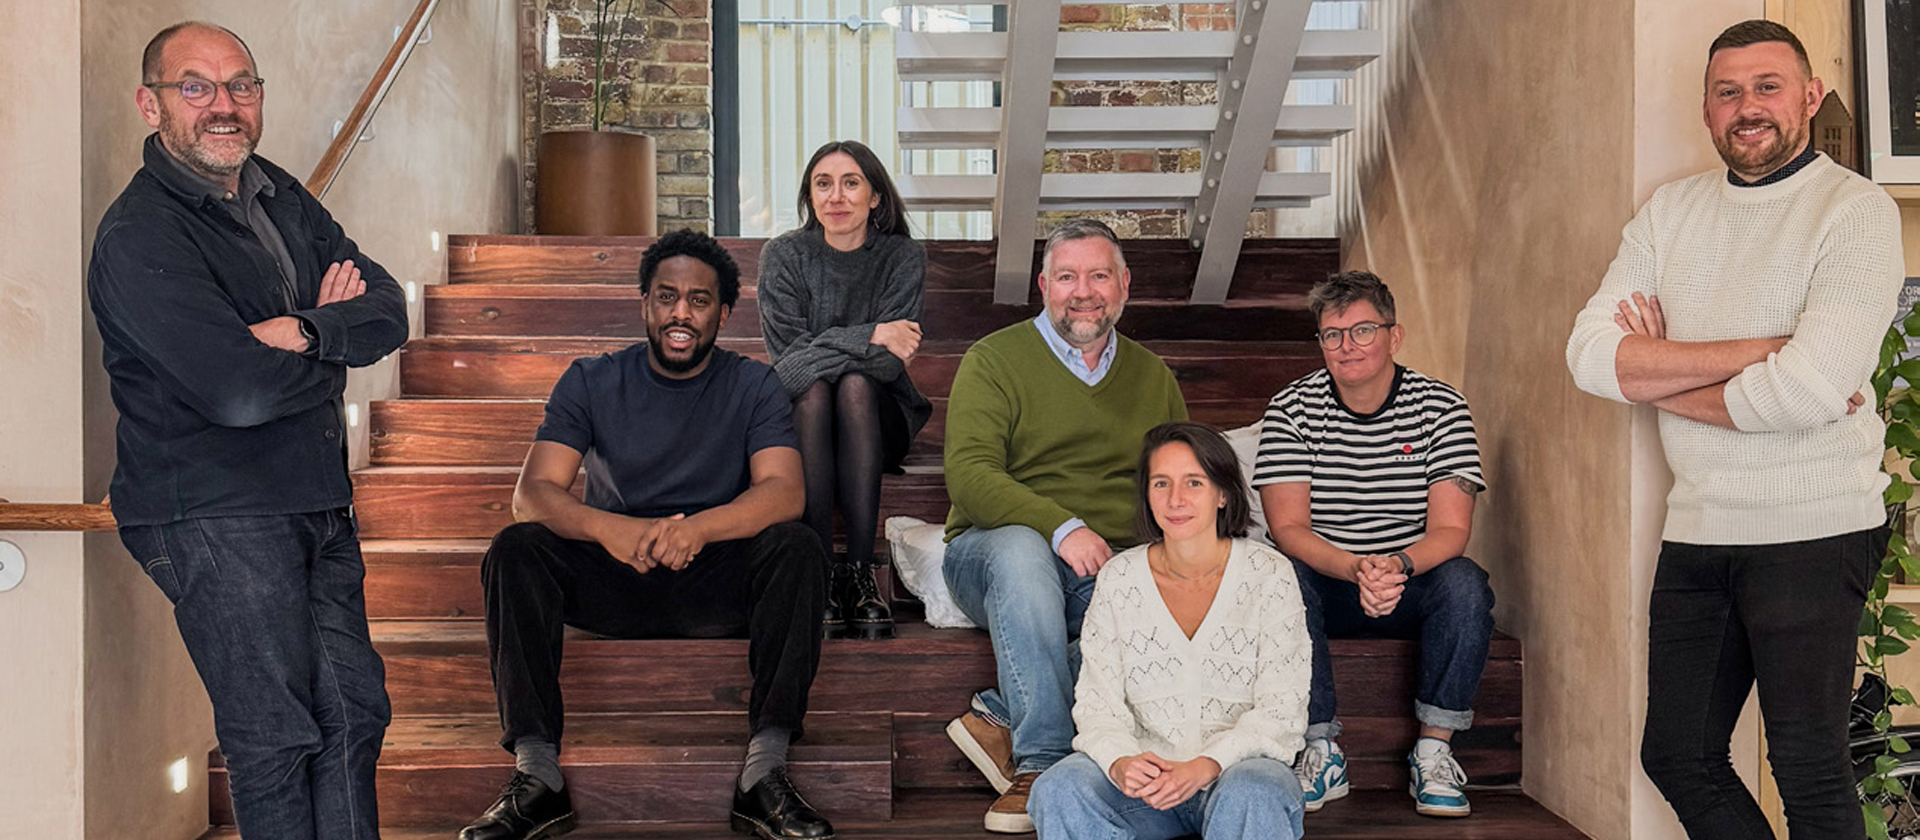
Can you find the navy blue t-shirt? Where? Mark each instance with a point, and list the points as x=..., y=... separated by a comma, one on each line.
x=655, y=446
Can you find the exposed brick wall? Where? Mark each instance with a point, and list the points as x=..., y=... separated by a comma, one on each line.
x=1142, y=224
x=659, y=68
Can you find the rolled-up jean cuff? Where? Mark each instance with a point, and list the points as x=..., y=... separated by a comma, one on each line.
x=1324, y=731
x=1447, y=719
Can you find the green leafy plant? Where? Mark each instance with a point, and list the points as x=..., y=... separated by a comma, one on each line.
x=1888, y=629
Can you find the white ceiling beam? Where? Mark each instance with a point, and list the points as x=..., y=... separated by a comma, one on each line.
x=1026, y=88
x=1135, y=127
x=1122, y=56
x=1251, y=90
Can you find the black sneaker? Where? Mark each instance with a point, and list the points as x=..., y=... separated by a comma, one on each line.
x=773, y=810
x=867, y=614
x=526, y=810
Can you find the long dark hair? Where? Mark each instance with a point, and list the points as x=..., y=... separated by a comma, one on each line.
x=889, y=217
x=1216, y=460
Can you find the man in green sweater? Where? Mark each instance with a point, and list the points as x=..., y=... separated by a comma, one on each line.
x=1043, y=434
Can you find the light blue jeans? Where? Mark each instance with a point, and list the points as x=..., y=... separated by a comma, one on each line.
x=1256, y=799
x=1009, y=581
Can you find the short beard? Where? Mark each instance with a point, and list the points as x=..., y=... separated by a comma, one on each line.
x=701, y=349
x=1080, y=333
x=1783, y=150
x=181, y=140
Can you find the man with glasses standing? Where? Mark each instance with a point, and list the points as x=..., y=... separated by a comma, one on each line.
x=230, y=306
x=1367, y=473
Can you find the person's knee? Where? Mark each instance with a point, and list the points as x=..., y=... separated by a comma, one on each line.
x=1259, y=788
x=1063, y=788
x=816, y=397
x=795, y=544
x=1670, y=768
x=855, y=389
x=515, y=548
x=1461, y=588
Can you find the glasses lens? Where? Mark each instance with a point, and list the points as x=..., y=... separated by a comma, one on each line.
x=244, y=90
x=196, y=92
x=1330, y=338
x=1362, y=334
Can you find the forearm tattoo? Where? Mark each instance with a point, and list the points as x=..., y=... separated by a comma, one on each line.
x=1466, y=486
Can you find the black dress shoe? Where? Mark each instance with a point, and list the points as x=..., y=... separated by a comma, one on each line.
x=867, y=614
x=773, y=810
x=526, y=810
x=833, y=623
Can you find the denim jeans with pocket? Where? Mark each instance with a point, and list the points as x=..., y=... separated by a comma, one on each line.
x=1255, y=799
x=272, y=611
x=1009, y=581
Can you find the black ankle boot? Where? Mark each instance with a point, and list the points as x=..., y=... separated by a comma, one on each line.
x=833, y=622
x=867, y=614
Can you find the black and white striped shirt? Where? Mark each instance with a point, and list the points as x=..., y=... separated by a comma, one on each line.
x=1370, y=472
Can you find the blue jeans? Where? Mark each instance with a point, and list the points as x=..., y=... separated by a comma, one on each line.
x=272, y=612
x=1256, y=799
x=1009, y=581
x=1449, y=609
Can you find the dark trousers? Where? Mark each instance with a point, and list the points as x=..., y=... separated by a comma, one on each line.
x=1449, y=609
x=771, y=588
x=1784, y=616
x=272, y=612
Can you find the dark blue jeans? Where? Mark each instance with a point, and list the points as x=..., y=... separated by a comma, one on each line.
x=1449, y=609
x=272, y=612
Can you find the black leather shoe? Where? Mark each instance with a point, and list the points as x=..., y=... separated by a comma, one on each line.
x=526, y=810
x=773, y=810
x=868, y=616
x=833, y=623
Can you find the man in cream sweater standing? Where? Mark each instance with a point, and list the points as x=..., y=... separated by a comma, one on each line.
x=1748, y=307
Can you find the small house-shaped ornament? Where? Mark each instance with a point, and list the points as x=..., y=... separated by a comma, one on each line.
x=1833, y=133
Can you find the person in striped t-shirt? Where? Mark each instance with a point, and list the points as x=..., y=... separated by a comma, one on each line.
x=1367, y=472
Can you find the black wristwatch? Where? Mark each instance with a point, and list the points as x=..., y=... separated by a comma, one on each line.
x=306, y=332
x=1406, y=563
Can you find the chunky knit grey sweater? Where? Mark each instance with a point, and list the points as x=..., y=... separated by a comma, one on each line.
x=819, y=305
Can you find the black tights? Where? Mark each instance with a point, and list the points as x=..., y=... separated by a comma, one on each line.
x=840, y=445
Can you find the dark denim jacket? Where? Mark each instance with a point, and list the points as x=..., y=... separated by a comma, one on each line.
x=212, y=422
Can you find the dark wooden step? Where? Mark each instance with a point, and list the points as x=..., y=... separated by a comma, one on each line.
x=477, y=502
x=1161, y=269
x=622, y=767
x=923, y=678
x=497, y=432
x=615, y=312
x=956, y=815
x=527, y=367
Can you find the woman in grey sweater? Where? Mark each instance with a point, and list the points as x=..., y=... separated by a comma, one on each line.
x=839, y=305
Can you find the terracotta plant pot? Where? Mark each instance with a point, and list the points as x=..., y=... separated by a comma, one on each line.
x=595, y=183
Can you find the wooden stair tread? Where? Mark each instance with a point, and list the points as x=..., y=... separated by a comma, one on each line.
x=636, y=738
x=955, y=815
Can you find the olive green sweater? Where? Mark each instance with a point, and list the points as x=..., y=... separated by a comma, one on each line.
x=1029, y=444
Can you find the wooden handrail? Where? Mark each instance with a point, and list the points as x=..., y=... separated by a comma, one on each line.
x=53, y=517
x=349, y=135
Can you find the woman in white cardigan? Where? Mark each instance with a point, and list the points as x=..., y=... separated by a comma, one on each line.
x=1192, y=696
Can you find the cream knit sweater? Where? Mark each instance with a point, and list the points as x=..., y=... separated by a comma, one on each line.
x=1816, y=257
x=1236, y=690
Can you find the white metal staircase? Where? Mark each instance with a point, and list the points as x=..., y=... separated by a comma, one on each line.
x=1252, y=67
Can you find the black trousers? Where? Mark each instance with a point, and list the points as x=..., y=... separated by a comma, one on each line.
x=771, y=588
x=1724, y=618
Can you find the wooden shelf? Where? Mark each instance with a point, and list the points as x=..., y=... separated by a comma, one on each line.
x=1908, y=194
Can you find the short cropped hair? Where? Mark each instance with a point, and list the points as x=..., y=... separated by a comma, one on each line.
x=150, y=57
x=687, y=242
x=1749, y=32
x=1081, y=228
x=1347, y=288
x=1216, y=459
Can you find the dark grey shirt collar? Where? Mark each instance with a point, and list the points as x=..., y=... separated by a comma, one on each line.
x=1798, y=163
x=244, y=207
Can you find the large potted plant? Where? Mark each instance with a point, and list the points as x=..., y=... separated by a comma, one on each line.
x=1888, y=629
x=595, y=181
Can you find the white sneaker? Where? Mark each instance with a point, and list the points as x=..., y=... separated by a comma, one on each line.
x=1437, y=780
x=1322, y=770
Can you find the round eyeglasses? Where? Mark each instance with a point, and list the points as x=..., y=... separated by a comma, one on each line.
x=245, y=90
x=1362, y=334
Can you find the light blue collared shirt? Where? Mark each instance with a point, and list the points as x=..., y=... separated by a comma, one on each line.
x=1076, y=363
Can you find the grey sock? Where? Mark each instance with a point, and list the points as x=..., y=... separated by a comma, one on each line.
x=766, y=751
x=540, y=759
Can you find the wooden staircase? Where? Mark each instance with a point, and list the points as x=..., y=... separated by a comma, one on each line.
x=656, y=728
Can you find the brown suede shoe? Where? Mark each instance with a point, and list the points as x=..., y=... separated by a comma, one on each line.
x=1008, y=814
x=989, y=746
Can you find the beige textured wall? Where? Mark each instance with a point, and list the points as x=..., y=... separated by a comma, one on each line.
x=442, y=158
x=40, y=411
x=1492, y=191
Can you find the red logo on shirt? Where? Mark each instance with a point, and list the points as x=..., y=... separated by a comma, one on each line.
x=1407, y=448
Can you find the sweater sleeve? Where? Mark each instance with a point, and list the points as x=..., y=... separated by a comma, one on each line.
x=1101, y=717
x=1836, y=340
x=1596, y=338
x=803, y=355
x=980, y=421
x=1276, y=725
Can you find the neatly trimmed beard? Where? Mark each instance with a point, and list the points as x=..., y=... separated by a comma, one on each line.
x=1762, y=161
x=1081, y=332
x=702, y=347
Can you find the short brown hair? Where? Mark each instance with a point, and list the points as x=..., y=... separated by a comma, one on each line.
x=1082, y=227
x=1749, y=32
x=1347, y=288
x=1216, y=460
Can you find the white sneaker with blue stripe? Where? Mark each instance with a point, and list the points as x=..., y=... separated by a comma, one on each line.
x=1322, y=770
x=1437, y=780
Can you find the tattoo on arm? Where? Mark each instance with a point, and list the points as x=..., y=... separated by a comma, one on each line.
x=1466, y=486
